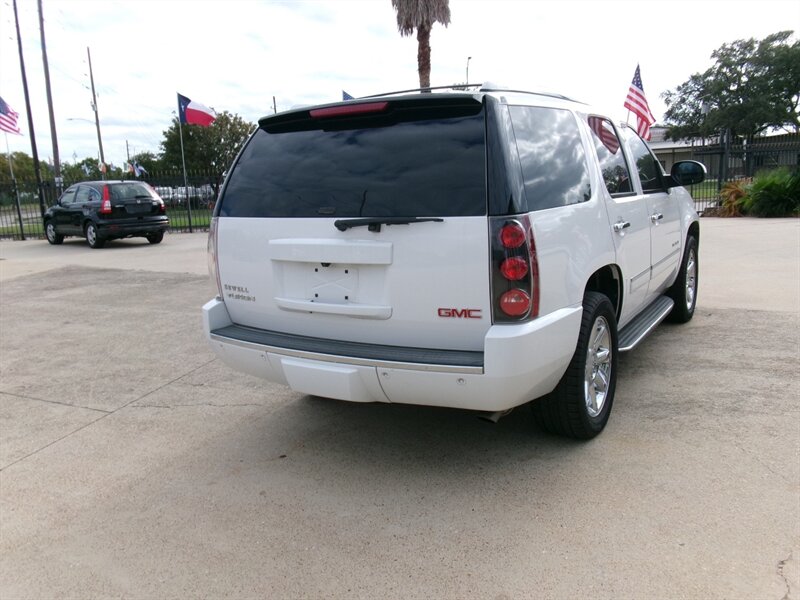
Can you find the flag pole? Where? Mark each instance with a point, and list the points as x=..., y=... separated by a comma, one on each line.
x=185, y=183
x=16, y=190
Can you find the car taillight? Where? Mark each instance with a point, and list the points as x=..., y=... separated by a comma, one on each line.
x=213, y=262
x=348, y=110
x=105, y=207
x=515, y=270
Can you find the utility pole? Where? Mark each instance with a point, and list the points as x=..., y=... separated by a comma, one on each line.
x=35, y=153
x=54, y=137
x=96, y=116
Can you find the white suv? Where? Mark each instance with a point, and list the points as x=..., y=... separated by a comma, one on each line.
x=469, y=250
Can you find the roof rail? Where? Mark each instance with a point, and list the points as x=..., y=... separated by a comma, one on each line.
x=548, y=94
x=462, y=87
x=477, y=87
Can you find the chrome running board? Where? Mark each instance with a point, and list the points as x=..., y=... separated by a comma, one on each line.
x=644, y=323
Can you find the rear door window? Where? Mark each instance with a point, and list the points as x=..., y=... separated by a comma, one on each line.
x=552, y=157
x=434, y=166
x=84, y=194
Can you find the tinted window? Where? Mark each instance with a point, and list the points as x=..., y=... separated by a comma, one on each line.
x=83, y=194
x=129, y=191
x=431, y=167
x=69, y=196
x=552, y=157
x=648, y=167
x=609, y=153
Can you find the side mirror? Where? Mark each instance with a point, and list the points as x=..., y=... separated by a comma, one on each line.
x=687, y=172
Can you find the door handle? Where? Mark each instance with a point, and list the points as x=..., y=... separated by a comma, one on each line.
x=656, y=217
x=621, y=225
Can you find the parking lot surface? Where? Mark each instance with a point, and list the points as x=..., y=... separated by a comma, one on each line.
x=134, y=464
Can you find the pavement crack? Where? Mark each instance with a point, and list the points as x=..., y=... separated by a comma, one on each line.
x=195, y=405
x=781, y=565
x=35, y=399
x=104, y=415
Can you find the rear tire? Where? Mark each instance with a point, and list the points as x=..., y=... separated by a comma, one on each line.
x=92, y=237
x=580, y=405
x=50, y=232
x=155, y=238
x=684, y=290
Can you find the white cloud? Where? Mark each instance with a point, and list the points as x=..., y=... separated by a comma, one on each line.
x=236, y=55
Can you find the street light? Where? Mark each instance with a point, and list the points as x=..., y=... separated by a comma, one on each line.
x=469, y=58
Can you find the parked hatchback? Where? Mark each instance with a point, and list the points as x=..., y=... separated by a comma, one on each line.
x=107, y=210
x=470, y=250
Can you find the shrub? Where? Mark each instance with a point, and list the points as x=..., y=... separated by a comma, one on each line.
x=732, y=195
x=774, y=194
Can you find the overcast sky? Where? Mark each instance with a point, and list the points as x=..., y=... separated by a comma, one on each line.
x=236, y=55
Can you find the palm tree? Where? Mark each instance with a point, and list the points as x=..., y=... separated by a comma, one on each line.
x=421, y=15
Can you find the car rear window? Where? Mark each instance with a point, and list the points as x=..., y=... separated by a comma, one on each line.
x=129, y=191
x=404, y=167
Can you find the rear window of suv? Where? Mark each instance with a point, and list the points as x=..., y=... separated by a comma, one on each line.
x=414, y=166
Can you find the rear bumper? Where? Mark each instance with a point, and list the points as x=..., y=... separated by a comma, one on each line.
x=519, y=363
x=123, y=229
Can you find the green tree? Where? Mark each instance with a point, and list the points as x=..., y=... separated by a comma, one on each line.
x=83, y=170
x=22, y=165
x=421, y=15
x=754, y=85
x=211, y=149
x=148, y=160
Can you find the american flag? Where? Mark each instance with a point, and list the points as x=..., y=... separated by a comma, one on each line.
x=637, y=104
x=8, y=118
x=602, y=129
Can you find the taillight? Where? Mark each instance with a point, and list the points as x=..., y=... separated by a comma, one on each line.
x=348, y=110
x=515, y=303
x=105, y=207
x=213, y=262
x=515, y=270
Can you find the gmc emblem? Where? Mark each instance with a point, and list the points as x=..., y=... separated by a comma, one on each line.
x=460, y=313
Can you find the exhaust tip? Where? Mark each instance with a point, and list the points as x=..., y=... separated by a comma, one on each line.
x=494, y=417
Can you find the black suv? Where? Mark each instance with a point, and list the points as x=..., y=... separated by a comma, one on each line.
x=107, y=210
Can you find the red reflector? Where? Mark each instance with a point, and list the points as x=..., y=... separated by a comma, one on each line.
x=515, y=303
x=105, y=208
x=514, y=268
x=348, y=110
x=512, y=235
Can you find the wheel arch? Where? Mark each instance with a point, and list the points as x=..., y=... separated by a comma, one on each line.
x=694, y=231
x=607, y=280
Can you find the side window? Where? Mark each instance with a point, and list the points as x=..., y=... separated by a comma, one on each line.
x=83, y=194
x=552, y=157
x=609, y=152
x=648, y=167
x=68, y=197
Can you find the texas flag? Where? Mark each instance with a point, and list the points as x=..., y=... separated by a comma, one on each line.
x=194, y=113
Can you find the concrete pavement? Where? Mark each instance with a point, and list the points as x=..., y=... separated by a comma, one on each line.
x=133, y=464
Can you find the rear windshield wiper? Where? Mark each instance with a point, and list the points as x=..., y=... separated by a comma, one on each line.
x=374, y=223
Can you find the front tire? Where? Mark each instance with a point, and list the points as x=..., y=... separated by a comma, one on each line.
x=580, y=405
x=50, y=232
x=684, y=290
x=93, y=237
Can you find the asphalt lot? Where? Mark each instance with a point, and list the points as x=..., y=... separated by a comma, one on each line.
x=133, y=464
